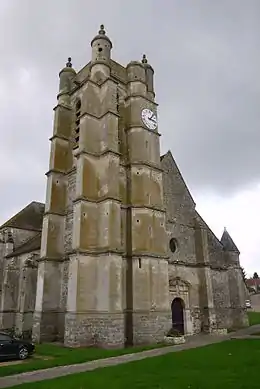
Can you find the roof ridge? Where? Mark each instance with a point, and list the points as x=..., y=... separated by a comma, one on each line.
x=179, y=172
x=34, y=207
x=207, y=227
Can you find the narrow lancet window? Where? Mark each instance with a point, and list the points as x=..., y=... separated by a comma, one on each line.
x=78, y=112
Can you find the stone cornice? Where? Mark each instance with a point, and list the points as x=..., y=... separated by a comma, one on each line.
x=98, y=117
x=129, y=127
x=55, y=213
x=96, y=252
x=198, y=265
x=105, y=152
x=138, y=95
x=97, y=201
x=57, y=136
x=60, y=258
x=55, y=172
x=67, y=107
x=143, y=163
x=99, y=85
x=144, y=206
x=140, y=254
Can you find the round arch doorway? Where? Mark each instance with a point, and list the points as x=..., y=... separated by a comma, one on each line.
x=178, y=315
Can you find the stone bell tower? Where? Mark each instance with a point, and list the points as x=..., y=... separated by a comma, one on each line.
x=103, y=273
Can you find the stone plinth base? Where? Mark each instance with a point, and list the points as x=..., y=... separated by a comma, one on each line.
x=219, y=331
x=239, y=317
x=230, y=317
x=7, y=320
x=48, y=326
x=23, y=324
x=103, y=330
x=150, y=327
x=174, y=340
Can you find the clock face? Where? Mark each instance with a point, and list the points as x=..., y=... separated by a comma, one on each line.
x=149, y=119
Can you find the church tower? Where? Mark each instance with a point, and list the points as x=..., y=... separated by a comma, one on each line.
x=103, y=272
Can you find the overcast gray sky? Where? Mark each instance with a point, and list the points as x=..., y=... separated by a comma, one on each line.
x=206, y=63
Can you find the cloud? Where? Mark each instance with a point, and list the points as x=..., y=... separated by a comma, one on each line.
x=241, y=218
x=206, y=60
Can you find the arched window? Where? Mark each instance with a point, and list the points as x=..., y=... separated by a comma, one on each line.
x=78, y=112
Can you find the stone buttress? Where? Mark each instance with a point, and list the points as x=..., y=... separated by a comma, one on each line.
x=95, y=282
x=208, y=315
x=49, y=307
x=147, y=290
x=238, y=313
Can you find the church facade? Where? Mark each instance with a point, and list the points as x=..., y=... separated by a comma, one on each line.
x=118, y=253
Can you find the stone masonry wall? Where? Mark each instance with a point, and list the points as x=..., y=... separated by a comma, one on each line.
x=221, y=298
x=238, y=310
x=216, y=254
x=20, y=236
x=180, y=213
x=10, y=293
x=151, y=328
x=27, y=294
x=85, y=329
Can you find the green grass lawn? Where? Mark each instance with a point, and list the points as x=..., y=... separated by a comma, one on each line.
x=254, y=318
x=59, y=356
x=229, y=365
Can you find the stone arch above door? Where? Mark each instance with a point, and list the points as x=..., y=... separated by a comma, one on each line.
x=179, y=288
x=177, y=283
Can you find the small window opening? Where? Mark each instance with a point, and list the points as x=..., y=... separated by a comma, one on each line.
x=139, y=263
x=100, y=49
x=173, y=245
x=117, y=100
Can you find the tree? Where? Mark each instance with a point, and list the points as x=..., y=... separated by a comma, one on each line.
x=243, y=274
x=255, y=276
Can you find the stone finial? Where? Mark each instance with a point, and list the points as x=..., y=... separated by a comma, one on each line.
x=102, y=35
x=102, y=30
x=69, y=64
x=144, y=59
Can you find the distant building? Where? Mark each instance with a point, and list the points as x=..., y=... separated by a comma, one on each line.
x=253, y=284
x=118, y=254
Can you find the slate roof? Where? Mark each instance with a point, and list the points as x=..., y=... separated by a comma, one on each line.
x=29, y=218
x=253, y=281
x=205, y=225
x=176, y=168
x=31, y=244
x=228, y=242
